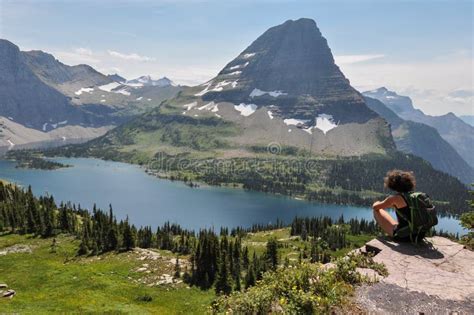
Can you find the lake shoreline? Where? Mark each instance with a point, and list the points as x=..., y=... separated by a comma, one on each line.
x=150, y=200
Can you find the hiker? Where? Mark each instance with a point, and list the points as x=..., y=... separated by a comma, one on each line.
x=414, y=210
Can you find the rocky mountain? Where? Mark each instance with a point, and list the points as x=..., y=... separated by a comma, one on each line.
x=453, y=129
x=424, y=141
x=39, y=95
x=25, y=98
x=147, y=80
x=116, y=78
x=61, y=76
x=283, y=89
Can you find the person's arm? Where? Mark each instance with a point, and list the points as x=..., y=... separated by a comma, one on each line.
x=387, y=203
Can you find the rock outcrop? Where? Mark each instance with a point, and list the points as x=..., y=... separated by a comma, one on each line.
x=437, y=277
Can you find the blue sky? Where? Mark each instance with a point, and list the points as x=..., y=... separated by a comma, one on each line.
x=419, y=48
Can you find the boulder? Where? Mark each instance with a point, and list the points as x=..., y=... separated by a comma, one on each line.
x=3, y=286
x=18, y=248
x=8, y=294
x=430, y=278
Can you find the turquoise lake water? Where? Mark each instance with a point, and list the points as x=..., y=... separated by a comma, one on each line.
x=148, y=200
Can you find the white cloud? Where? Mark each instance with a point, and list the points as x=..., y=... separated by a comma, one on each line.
x=350, y=59
x=83, y=51
x=79, y=55
x=132, y=56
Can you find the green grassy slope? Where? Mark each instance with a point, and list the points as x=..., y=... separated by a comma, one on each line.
x=59, y=282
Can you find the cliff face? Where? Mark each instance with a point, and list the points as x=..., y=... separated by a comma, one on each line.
x=294, y=61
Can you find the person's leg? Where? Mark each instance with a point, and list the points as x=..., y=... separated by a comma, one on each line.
x=385, y=220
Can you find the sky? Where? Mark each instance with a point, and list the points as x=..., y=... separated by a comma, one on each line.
x=422, y=49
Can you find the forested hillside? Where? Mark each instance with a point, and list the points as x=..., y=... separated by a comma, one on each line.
x=214, y=263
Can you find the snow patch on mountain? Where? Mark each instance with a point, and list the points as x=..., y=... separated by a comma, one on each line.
x=239, y=66
x=295, y=122
x=217, y=88
x=325, y=123
x=82, y=90
x=123, y=91
x=257, y=92
x=270, y=114
x=109, y=87
x=190, y=105
x=209, y=106
x=206, y=89
x=246, y=109
x=249, y=55
x=235, y=73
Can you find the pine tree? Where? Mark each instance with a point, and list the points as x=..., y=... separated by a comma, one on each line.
x=271, y=253
x=112, y=238
x=83, y=247
x=128, y=236
x=177, y=268
x=245, y=258
x=223, y=283
x=249, y=277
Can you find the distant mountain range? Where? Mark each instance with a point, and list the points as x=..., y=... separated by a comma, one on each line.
x=42, y=99
x=424, y=141
x=454, y=130
x=284, y=90
x=146, y=80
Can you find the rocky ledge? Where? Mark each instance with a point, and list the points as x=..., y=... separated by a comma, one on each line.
x=435, y=277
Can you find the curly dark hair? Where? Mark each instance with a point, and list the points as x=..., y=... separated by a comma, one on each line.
x=400, y=181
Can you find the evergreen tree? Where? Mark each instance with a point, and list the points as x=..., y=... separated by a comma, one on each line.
x=112, y=238
x=249, y=277
x=271, y=253
x=177, y=268
x=128, y=236
x=223, y=279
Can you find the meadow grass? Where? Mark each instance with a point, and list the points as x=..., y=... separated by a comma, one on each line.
x=59, y=282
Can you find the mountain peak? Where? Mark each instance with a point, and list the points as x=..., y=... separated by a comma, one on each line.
x=396, y=102
x=289, y=66
x=147, y=80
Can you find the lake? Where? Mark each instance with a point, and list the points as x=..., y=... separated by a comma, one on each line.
x=148, y=200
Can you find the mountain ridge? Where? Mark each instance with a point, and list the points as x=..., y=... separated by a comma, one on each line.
x=452, y=128
x=424, y=141
x=43, y=95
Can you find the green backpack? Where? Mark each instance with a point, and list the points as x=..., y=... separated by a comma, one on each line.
x=422, y=215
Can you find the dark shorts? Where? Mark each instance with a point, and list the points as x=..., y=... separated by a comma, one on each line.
x=402, y=234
